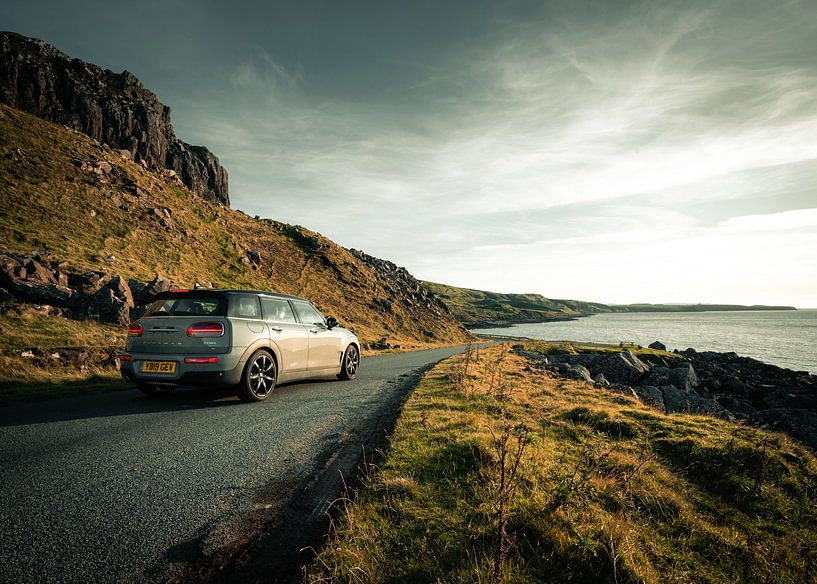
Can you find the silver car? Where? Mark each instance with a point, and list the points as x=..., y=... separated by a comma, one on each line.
x=248, y=339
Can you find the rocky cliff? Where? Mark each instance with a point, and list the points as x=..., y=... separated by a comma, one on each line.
x=113, y=108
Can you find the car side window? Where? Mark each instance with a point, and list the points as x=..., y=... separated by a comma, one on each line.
x=277, y=309
x=245, y=307
x=307, y=314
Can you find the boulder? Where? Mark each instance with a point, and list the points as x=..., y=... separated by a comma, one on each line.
x=111, y=303
x=121, y=290
x=254, y=257
x=10, y=269
x=741, y=408
x=732, y=385
x=104, y=306
x=622, y=367
x=601, y=381
x=658, y=345
x=652, y=395
x=578, y=372
x=683, y=377
x=38, y=273
x=678, y=400
x=40, y=293
x=156, y=286
x=88, y=281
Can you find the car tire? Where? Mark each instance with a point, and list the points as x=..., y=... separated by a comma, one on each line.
x=350, y=364
x=153, y=389
x=259, y=377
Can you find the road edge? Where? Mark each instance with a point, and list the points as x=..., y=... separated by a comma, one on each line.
x=291, y=519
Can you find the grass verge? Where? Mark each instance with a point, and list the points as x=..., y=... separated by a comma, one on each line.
x=499, y=473
x=32, y=362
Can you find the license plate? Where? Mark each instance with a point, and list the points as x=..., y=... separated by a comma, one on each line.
x=158, y=367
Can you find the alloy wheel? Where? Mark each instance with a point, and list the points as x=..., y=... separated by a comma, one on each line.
x=262, y=375
x=352, y=361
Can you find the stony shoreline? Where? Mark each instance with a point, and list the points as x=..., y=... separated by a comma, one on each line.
x=726, y=385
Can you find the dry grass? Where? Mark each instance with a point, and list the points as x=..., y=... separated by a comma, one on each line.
x=608, y=490
x=26, y=377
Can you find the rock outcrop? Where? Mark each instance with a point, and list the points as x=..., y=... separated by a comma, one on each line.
x=112, y=108
x=59, y=290
x=401, y=286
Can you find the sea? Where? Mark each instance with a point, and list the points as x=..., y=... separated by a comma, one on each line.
x=786, y=338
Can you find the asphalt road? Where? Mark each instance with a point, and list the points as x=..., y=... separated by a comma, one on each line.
x=116, y=486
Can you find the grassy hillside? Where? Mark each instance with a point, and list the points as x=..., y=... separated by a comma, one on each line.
x=137, y=224
x=502, y=473
x=475, y=307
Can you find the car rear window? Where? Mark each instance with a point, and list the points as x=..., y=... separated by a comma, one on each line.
x=188, y=305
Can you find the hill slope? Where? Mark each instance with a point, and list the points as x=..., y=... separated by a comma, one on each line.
x=476, y=308
x=65, y=193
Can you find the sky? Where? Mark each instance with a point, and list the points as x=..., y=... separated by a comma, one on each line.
x=610, y=151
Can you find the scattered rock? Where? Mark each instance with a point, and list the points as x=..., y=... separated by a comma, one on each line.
x=658, y=345
x=254, y=257
x=800, y=424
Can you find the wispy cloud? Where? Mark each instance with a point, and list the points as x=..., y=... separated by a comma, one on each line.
x=605, y=156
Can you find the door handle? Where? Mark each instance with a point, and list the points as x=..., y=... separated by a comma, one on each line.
x=313, y=331
x=277, y=329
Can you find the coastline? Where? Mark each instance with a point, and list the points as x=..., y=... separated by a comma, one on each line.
x=724, y=384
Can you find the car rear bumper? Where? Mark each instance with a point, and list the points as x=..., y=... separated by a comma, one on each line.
x=224, y=373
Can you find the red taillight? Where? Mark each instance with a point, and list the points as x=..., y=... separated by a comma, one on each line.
x=125, y=358
x=134, y=329
x=201, y=359
x=180, y=290
x=205, y=328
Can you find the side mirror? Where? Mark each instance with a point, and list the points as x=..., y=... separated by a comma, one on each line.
x=331, y=322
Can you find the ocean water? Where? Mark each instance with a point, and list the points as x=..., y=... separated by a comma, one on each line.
x=787, y=338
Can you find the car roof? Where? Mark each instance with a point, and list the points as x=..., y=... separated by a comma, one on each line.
x=265, y=292
x=233, y=291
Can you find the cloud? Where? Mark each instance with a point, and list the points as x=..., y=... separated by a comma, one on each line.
x=262, y=72
x=643, y=155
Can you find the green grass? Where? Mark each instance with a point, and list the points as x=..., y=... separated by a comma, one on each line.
x=608, y=490
x=547, y=347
